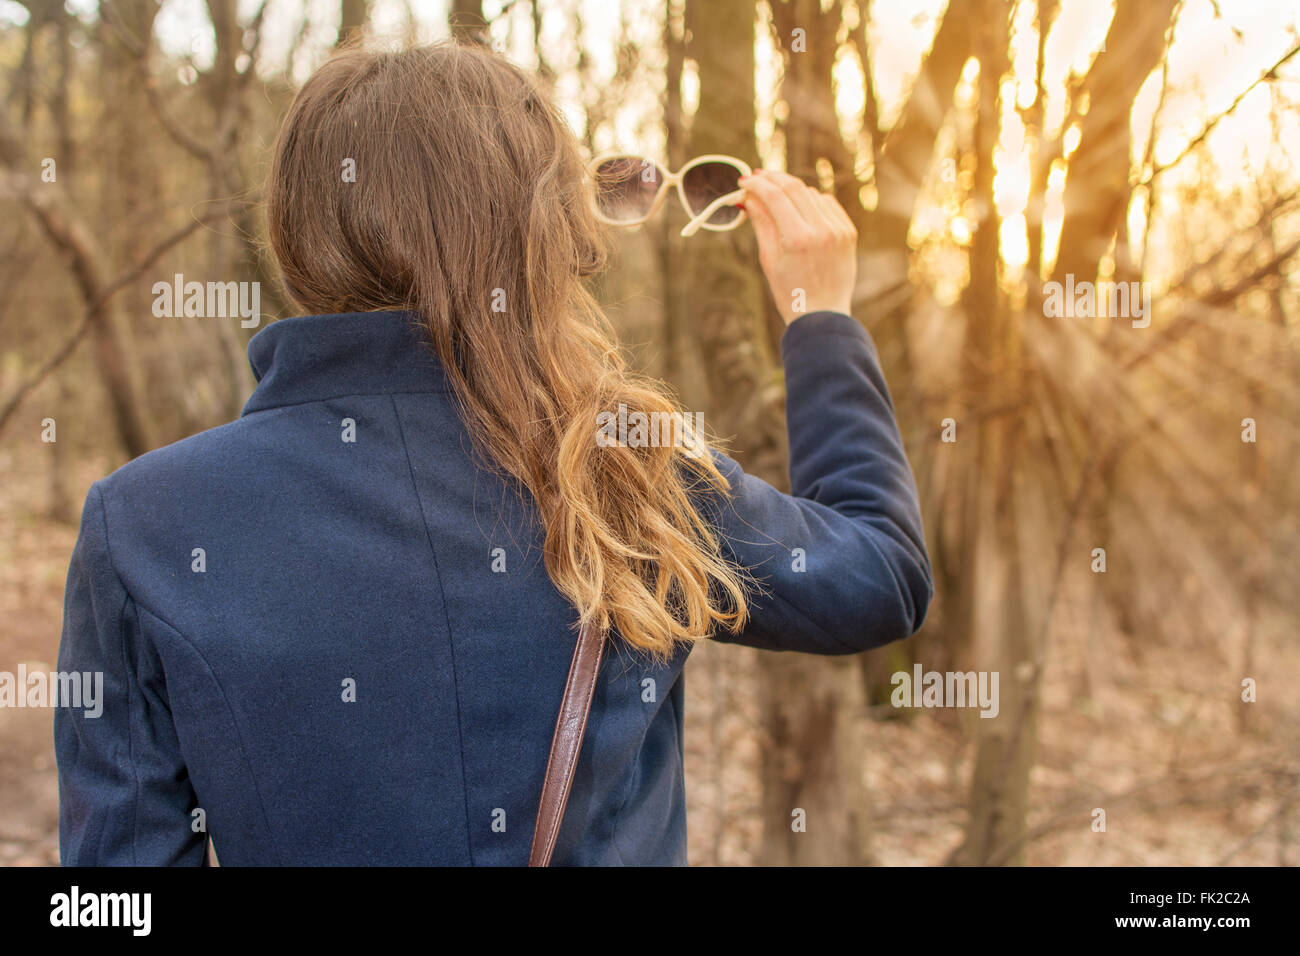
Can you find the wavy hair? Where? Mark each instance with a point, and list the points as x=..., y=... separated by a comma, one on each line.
x=471, y=208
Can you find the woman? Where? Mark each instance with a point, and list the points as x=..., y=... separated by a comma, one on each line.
x=336, y=631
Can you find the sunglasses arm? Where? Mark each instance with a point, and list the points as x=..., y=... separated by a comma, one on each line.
x=730, y=199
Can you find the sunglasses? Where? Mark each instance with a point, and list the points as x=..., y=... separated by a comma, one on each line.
x=630, y=189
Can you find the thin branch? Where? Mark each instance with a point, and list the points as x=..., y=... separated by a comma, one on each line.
x=1266, y=76
x=191, y=144
x=1277, y=814
x=255, y=25
x=1220, y=297
x=97, y=294
x=1102, y=799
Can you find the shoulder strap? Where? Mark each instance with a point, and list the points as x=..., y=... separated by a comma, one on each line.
x=567, y=742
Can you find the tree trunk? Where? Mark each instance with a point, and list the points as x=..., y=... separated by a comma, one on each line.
x=1097, y=179
x=810, y=712
x=993, y=597
x=902, y=160
x=466, y=21
x=353, y=15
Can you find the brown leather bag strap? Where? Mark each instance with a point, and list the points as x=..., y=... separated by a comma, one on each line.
x=567, y=742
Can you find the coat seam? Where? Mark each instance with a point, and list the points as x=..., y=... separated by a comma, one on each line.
x=451, y=642
x=239, y=738
x=126, y=670
x=333, y=398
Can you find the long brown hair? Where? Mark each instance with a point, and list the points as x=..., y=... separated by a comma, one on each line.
x=470, y=207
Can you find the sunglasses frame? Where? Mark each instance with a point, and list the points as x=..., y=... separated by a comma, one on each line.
x=669, y=180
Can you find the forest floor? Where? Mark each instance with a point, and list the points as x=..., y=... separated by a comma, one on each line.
x=1158, y=744
x=1187, y=774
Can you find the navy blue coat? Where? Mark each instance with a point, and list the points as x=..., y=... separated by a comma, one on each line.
x=333, y=570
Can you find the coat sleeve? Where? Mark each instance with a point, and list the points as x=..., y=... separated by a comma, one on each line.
x=125, y=797
x=840, y=562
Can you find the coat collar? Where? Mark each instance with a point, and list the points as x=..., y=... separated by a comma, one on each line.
x=316, y=357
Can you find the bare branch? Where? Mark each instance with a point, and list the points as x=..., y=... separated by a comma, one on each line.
x=71, y=236
x=179, y=134
x=1266, y=76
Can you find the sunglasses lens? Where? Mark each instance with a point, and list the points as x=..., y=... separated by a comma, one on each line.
x=626, y=188
x=706, y=182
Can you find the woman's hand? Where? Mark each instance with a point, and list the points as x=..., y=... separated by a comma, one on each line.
x=806, y=243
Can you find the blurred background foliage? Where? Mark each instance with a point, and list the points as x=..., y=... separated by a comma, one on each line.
x=984, y=148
